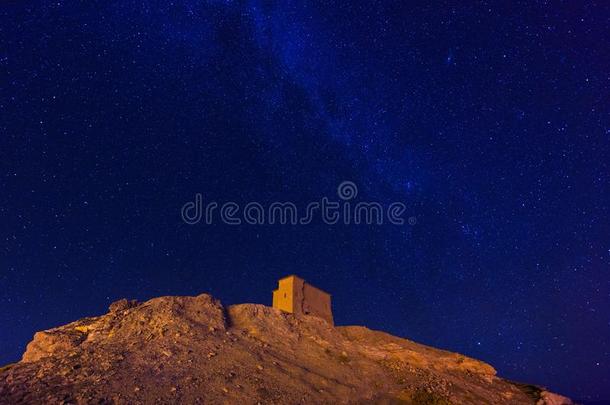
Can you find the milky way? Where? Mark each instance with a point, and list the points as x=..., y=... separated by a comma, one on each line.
x=491, y=123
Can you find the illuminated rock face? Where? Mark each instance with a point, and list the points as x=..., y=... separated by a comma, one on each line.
x=294, y=295
x=194, y=350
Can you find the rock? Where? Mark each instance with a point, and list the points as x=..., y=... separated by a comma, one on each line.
x=47, y=343
x=122, y=305
x=156, y=351
x=549, y=398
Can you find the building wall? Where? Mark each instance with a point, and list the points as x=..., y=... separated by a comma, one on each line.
x=317, y=302
x=283, y=297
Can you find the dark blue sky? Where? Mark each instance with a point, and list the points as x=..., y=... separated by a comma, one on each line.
x=491, y=122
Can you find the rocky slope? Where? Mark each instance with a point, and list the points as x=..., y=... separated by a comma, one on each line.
x=193, y=350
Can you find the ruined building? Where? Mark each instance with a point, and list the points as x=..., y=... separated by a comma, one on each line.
x=296, y=296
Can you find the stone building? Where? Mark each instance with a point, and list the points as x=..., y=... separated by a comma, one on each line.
x=296, y=296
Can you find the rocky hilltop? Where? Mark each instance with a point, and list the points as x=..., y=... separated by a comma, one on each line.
x=193, y=350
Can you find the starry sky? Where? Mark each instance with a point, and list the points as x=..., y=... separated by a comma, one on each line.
x=490, y=121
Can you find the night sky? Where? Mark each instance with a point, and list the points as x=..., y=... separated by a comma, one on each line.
x=491, y=122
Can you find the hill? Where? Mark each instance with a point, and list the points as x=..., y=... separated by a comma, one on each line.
x=194, y=350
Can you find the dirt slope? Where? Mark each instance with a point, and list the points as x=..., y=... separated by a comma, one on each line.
x=193, y=350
